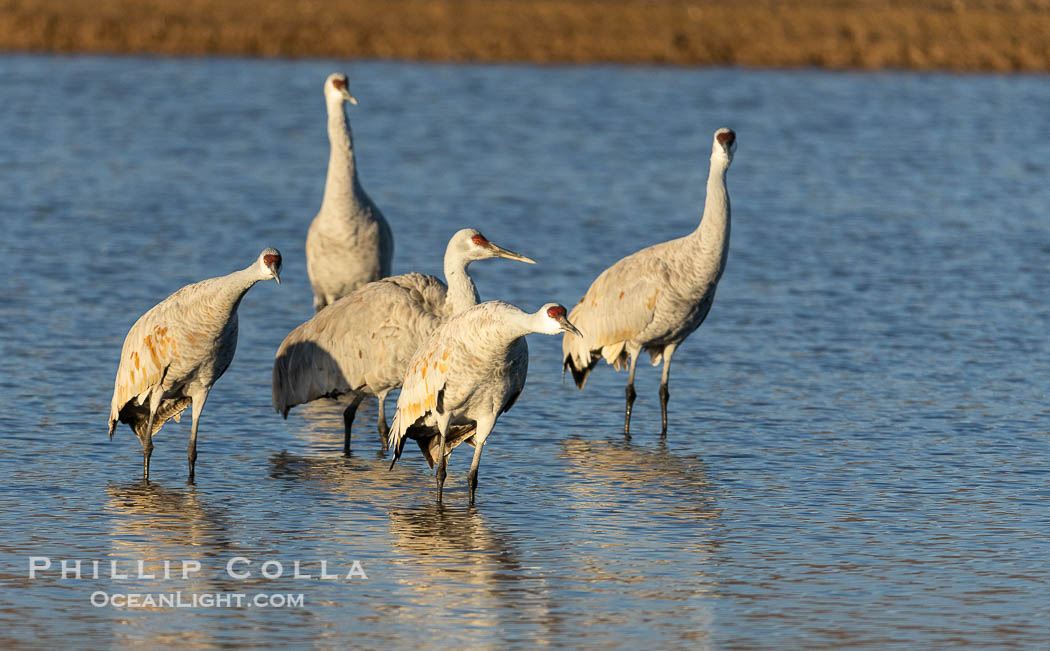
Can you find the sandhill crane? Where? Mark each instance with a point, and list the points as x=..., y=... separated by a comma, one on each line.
x=349, y=242
x=470, y=370
x=176, y=351
x=655, y=298
x=361, y=344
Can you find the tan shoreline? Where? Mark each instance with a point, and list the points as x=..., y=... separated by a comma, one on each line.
x=964, y=35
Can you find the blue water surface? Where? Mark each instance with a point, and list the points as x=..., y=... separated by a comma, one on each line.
x=859, y=432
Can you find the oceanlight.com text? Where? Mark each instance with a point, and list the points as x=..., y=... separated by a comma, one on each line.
x=102, y=599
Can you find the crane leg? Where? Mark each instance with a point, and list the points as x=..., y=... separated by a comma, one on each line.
x=665, y=394
x=348, y=421
x=147, y=452
x=482, y=433
x=147, y=438
x=442, y=459
x=191, y=452
x=630, y=393
x=384, y=429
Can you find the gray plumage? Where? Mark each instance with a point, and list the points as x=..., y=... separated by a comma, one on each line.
x=655, y=298
x=349, y=242
x=176, y=351
x=361, y=344
x=470, y=370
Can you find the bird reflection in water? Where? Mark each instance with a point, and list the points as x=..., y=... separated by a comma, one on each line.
x=320, y=424
x=617, y=487
x=154, y=524
x=604, y=469
x=452, y=555
x=443, y=555
x=363, y=479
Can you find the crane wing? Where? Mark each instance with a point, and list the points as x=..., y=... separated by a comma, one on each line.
x=422, y=393
x=149, y=349
x=518, y=370
x=362, y=340
x=619, y=305
x=428, y=290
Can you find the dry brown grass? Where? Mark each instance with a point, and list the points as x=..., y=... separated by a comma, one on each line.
x=964, y=35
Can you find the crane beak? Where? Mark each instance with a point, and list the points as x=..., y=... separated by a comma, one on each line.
x=276, y=274
x=566, y=326
x=350, y=98
x=501, y=252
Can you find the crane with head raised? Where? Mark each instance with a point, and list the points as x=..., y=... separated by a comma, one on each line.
x=653, y=299
x=349, y=242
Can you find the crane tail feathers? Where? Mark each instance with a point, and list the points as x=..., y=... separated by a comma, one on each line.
x=398, y=447
x=577, y=356
x=397, y=453
x=579, y=371
x=397, y=439
x=279, y=386
x=429, y=440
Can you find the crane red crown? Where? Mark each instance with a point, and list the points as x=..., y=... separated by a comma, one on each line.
x=726, y=137
x=556, y=312
x=271, y=259
x=480, y=240
x=339, y=83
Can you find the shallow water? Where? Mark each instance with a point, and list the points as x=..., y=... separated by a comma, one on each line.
x=858, y=432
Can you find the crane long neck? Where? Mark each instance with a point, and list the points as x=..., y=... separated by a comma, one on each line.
x=493, y=336
x=521, y=323
x=712, y=235
x=462, y=293
x=509, y=325
x=233, y=288
x=341, y=185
